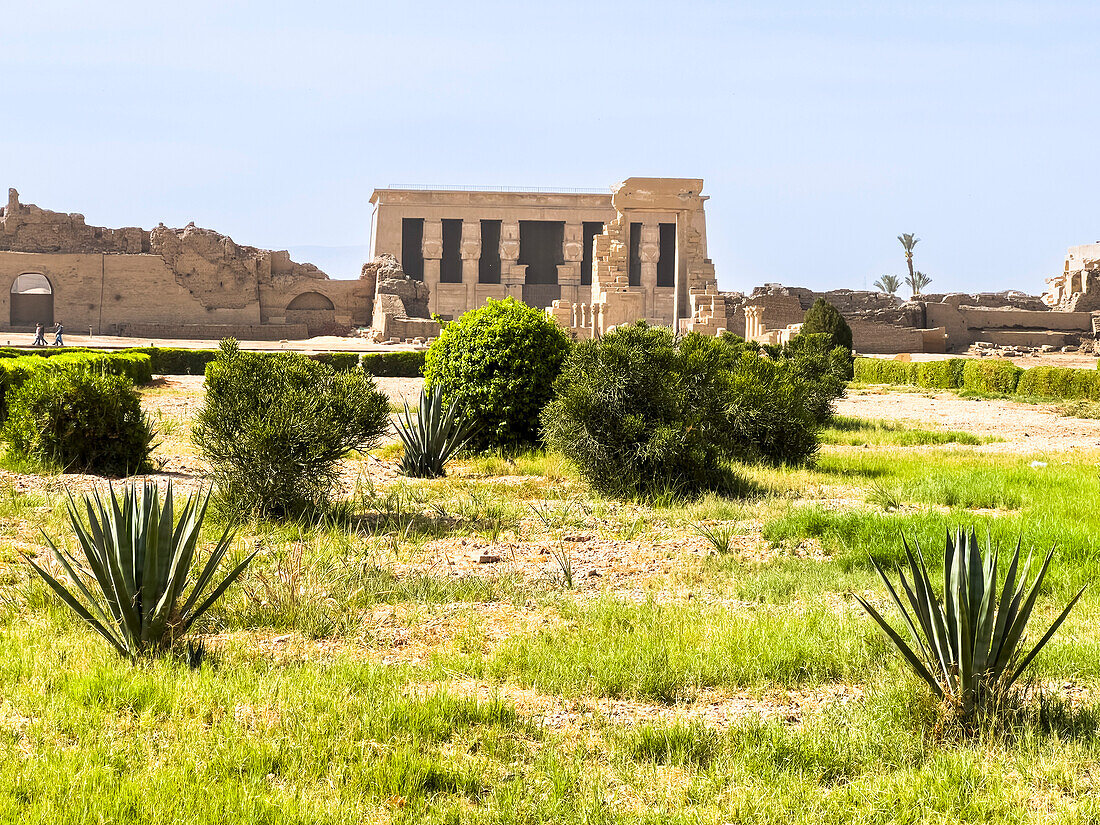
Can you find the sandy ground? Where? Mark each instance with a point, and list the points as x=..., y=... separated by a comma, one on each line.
x=1025, y=428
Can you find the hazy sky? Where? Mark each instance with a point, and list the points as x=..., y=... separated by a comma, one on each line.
x=822, y=130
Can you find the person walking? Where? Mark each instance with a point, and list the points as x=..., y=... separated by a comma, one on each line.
x=39, y=336
x=57, y=342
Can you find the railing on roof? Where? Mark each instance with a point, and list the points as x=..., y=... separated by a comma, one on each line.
x=537, y=190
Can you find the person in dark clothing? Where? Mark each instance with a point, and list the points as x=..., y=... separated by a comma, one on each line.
x=39, y=336
x=57, y=342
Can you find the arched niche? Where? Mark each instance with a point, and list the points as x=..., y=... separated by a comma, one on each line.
x=31, y=300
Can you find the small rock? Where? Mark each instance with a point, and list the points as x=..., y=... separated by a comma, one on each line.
x=488, y=558
x=592, y=574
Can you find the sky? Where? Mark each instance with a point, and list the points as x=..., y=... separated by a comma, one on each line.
x=822, y=130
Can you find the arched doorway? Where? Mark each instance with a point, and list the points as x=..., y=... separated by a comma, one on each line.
x=31, y=300
x=314, y=310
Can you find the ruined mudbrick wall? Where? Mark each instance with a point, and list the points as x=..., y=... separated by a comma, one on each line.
x=188, y=282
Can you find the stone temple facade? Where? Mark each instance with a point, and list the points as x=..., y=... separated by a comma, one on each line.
x=593, y=260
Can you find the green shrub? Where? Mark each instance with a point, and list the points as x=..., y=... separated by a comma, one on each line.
x=991, y=376
x=177, y=361
x=883, y=371
x=823, y=317
x=15, y=371
x=824, y=369
x=393, y=364
x=774, y=410
x=640, y=416
x=941, y=375
x=275, y=427
x=339, y=361
x=1060, y=382
x=79, y=418
x=498, y=363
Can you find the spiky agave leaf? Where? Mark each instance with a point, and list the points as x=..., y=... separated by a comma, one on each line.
x=967, y=645
x=140, y=557
x=433, y=437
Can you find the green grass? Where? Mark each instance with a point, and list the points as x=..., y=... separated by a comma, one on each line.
x=665, y=652
x=857, y=432
x=339, y=683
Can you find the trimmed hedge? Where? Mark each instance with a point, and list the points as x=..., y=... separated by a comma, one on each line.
x=178, y=361
x=991, y=376
x=881, y=371
x=15, y=371
x=1060, y=382
x=393, y=364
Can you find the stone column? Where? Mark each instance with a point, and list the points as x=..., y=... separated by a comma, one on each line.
x=569, y=273
x=754, y=323
x=433, y=254
x=470, y=248
x=512, y=273
x=649, y=252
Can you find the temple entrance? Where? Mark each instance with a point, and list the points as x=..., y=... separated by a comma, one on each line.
x=31, y=301
x=540, y=248
x=314, y=310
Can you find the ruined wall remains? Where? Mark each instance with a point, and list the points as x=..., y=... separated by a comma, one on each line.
x=1077, y=287
x=400, y=303
x=950, y=322
x=188, y=281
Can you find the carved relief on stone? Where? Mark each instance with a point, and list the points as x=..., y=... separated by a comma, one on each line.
x=573, y=250
x=433, y=249
x=509, y=250
x=470, y=248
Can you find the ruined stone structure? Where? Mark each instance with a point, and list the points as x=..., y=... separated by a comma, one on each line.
x=593, y=260
x=400, y=303
x=935, y=323
x=177, y=283
x=1077, y=287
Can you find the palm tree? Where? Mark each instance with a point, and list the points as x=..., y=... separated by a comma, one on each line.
x=917, y=282
x=889, y=284
x=908, y=241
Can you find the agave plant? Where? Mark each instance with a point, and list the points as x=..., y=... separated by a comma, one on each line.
x=968, y=646
x=139, y=560
x=434, y=437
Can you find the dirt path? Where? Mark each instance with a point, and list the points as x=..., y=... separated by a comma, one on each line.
x=1025, y=428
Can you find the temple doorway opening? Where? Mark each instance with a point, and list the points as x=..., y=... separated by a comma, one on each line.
x=31, y=301
x=540, y=248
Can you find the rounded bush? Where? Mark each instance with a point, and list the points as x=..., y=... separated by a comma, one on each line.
x=497, y=364
x=826, y=318
x=79, y=418
x=639, y=415
x=274, y=429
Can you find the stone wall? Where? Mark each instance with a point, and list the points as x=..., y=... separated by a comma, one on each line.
x=104, y=279
x=244, y=332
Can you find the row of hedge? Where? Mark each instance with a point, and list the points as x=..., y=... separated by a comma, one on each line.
x=987, y=376
x=177, y=361
x=15, y=370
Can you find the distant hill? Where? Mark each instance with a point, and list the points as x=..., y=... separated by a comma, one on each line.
x=337, y=261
